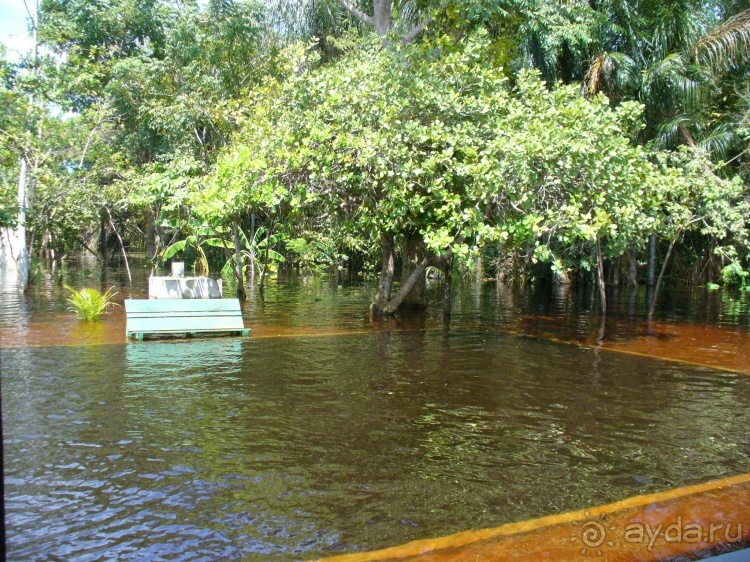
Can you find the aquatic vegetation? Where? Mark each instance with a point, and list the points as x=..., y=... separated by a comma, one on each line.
x=89, y=304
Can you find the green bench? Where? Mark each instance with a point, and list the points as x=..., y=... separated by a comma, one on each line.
x=183, y=316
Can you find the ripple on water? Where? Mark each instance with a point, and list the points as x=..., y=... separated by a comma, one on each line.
x=289, y=448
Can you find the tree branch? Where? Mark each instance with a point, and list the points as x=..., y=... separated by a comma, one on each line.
x=86, y=246
x=416, y=30
x=122, y=245
x=361, y=16
x=416, y=273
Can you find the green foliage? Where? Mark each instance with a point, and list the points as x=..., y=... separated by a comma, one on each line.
x=255, y=250
x=95, y=35
x=383, y=140
x=401, y=142
x=15, y=114
x=199, y=237
x=317, y=255
x=189, y=117
x=672, y=56
x=90, y=304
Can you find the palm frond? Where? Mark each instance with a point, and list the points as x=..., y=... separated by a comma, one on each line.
x=667, y=134
x=592, y=82
x=293, y=20
x=719, y=141
x=678, y=26
x=611, y=73
x=725, y=43
x=672, y=84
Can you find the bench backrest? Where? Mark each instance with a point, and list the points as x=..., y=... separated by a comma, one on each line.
x=150, y=316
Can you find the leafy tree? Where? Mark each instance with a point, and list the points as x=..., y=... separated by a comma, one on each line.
x=668, y=55
x=437, y=155
x=95, y=34
x=14, y=118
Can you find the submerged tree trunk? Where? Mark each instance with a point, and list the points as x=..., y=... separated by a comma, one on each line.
x=414, y=254
x=122, y=246
x=23, y=257
x=238, y=261
x=447, y=295
x=652, y=306
x=151, y=249
x=615, y=275
x=406, y=286
x=600, y=269
x=385, y=304
x=633, y=268
x=265, y=257
x=253, y=246
x=386, y=274
x=651, y=272
x=560, y=276
x=103, y=238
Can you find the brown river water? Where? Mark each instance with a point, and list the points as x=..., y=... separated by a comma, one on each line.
x=328, y=432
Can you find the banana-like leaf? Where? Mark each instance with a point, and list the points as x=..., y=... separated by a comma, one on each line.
x=219, y=243
x=226, y=271
x=173, y=249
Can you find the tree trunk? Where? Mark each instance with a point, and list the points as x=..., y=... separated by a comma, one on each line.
x=448, y=274
x=615, y=272
x=23, y=257
x=103, y=239
x=386, y=274
x=633, y=268
x=265, y=257
x=238, y=261
x=390, y=306
x=600, y=269
x=385, y=304
x=122, y=246
x=383, y=16
x=414, y=254
x=652, y=306
x=49, y=252
x=560, y=276
x=651, y=272
x=151, y=249
x=405, y=288
x=251, y=269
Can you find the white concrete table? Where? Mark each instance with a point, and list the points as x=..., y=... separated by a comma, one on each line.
x=184, y=288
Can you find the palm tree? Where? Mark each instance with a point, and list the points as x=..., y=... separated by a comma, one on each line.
x=672, y=56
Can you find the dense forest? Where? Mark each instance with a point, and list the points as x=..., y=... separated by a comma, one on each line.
x=601, y=141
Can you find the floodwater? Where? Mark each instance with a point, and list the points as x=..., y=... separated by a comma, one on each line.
x=329, y=432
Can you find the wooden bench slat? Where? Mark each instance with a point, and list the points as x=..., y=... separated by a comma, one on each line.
x=185, y=324
x=179, y=316
x=182, y=314
x=182, y=305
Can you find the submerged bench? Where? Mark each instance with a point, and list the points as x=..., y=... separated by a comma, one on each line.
x=183, y=316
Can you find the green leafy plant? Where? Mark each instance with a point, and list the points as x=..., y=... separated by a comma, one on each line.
x=316, y=253
x=254, y=249
x=89, y=304
x=194, y=243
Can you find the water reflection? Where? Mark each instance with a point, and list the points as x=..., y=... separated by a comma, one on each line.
x=176, y=361
x=288, y=448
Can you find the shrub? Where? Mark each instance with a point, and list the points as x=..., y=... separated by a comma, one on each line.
x=89, y=304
